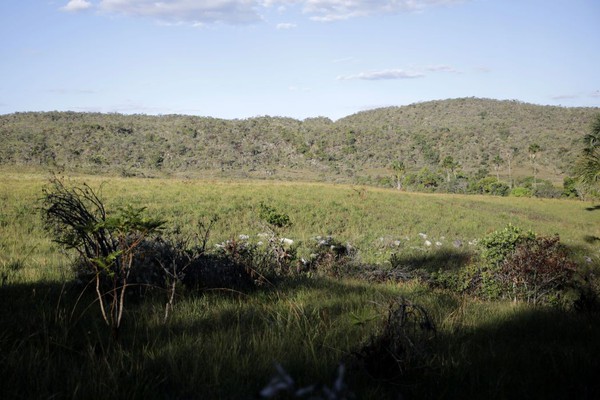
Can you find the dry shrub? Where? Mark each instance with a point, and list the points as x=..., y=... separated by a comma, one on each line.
x=537, y=270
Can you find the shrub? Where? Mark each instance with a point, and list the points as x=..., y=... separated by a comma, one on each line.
x=499, y=244
x=481, y=278
x=521, y=192
x=273, y=217
x=570, y=188
x=489, y=185
x=547, y=190
x=537, y=269
x=107, y=244
x=329, y=257
x=515, y=264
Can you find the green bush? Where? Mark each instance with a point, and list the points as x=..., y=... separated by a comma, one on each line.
x=489, y=185
x=482, y=278
x=521, y=192
x=273, y=217
x=514, y=264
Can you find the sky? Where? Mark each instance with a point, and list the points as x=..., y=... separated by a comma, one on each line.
x=293, y=58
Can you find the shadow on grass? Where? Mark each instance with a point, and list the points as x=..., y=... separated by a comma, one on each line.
x=529, y=354
x=591, y=239
x=430, y=261
x=221, y=345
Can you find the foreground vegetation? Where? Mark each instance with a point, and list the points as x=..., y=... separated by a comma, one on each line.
x=224, y=342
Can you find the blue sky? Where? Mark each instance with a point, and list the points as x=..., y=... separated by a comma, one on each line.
x=293, y=58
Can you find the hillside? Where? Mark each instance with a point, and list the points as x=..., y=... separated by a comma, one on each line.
x=357, y=148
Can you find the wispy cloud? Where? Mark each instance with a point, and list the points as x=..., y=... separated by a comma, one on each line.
x=344, y=60
x=77, y=5
x=383, y=75
x=580, y=95
x=286, y=25
x=334, y=10
x=299, y=89
x=442, y=68
x=197, y=12
x=400, y=73
x=70, y=91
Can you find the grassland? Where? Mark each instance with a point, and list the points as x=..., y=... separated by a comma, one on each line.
x=223, y=344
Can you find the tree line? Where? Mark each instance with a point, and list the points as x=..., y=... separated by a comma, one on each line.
x=456, y=139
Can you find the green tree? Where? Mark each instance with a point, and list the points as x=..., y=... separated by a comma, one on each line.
x=450, y=166
x=533, y=151
x=588, y=165
x=399, y=170
x=498, y=161
x=510, y=154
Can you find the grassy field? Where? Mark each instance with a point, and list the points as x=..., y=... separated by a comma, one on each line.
x=224, y=344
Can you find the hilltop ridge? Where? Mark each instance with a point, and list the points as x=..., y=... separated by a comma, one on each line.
x=356, y=148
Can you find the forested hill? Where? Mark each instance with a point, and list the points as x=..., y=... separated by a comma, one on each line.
x=358, y=148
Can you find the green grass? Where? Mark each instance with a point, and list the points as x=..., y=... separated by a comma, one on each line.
x=371, y=220
x=223, y=344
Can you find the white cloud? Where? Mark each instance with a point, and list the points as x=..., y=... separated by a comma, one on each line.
x=195, y=12
x=580, y=95
x=198, y=12
x=70, y=91
x=442, y=68
x=332, y=10
x=77, y=5
x=565, y=97
x=286, y=25
x=383, y=74
x=299, y=89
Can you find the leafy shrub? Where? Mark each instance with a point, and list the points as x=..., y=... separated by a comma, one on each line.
x=570, y=188
x=515, y=264
x=547, y=190
x=484, y=280
x=521, y=192
x=273, y=217
x=489, y=185
x=499, y=244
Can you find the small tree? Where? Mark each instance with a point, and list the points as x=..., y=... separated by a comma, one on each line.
x=399, y=170
x=450, y=166
x=533, y=150
x=509, y=155
x=498, y=161
x=588, y=164
x=107, y=244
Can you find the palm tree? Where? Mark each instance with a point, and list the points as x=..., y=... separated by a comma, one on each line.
x=450, y=166
x=533, y=149
x=498, y=161
x=399, y=170
x=588, y=165
x=510, y=154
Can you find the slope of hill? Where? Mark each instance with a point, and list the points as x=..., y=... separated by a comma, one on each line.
x=358, y=147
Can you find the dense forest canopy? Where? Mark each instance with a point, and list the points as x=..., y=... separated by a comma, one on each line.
x=476, y=134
